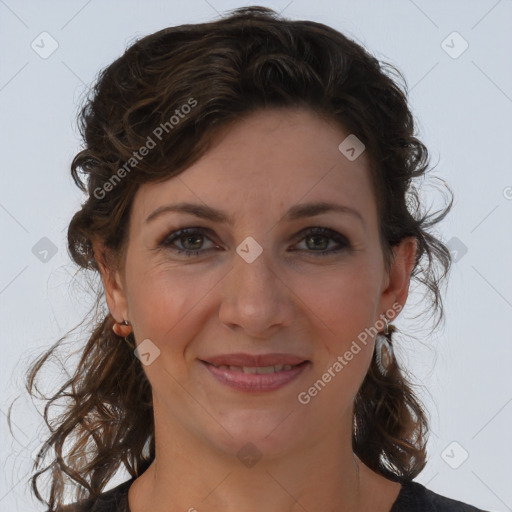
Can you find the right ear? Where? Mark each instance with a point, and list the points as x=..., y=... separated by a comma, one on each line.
x=112, y=282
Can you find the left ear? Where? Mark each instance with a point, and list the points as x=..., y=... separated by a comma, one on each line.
x=399, y=276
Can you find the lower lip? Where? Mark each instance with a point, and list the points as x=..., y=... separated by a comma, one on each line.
x=255, y=382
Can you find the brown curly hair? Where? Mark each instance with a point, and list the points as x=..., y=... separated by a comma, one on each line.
x=225, y=69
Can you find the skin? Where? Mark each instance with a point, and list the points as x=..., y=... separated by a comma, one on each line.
x=287, y=300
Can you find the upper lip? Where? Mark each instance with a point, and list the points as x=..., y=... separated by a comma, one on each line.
x=241, y=359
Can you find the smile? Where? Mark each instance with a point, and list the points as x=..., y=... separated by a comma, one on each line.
x=256, y=378
x=258, y=369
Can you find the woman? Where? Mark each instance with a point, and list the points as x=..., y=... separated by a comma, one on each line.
x=252, y=213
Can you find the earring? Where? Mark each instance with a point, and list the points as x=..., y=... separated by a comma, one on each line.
x=122, y=329
x=383, y=349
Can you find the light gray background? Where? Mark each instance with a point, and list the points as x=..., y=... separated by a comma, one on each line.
x=464, y=110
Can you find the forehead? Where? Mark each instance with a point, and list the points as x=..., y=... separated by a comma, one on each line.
x=270, y=159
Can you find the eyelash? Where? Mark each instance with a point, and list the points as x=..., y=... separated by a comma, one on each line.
x=326, y=232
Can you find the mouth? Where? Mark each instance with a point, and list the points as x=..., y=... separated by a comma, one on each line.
x=252, y=378
x=260, y=370
x=244, y=360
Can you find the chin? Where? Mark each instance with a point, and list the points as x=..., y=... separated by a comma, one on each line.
x=270, y=434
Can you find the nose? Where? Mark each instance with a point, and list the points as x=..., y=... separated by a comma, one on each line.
x=255, y=296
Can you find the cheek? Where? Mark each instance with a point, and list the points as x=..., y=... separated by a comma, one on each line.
x=165, y=301
x=343, y=315
x=343, y=300
x=342, y=306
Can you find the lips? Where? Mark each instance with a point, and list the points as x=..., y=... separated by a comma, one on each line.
x=252, y=361
x=256, y=379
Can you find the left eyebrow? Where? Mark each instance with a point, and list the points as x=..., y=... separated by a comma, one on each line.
x=296, y=212
x=300, y=211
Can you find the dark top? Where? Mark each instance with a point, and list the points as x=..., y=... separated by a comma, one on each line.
x=413, y=497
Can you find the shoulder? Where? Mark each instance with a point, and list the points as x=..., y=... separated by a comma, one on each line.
x=113, y=500
x=416, y=497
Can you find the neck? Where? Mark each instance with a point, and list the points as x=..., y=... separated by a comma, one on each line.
x=189, y=475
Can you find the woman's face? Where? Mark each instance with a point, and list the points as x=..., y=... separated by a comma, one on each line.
x=259, y=281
